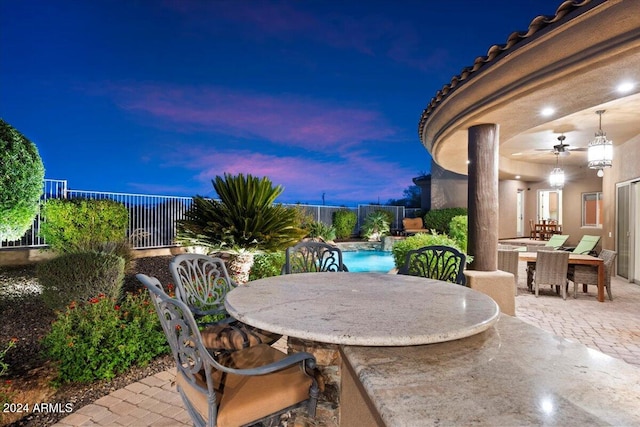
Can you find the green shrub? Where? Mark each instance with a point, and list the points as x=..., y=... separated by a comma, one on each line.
x=439, y=219
x=376, y=224
x=267, y=265
x=21, y=178
x=402, y=247
x=82, y=225
x=320, y=230
x=344, y=221
x=101, y=338
x=120, y=248
x=302, y=217
x=80, y=276
x=5, y=392
x=458, y=231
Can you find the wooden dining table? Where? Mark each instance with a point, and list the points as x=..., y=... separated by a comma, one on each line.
x=545, y=230
x=574, y=259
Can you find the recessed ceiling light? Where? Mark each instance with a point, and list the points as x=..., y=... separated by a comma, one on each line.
x=626, y=87
x=547, y=111
x=517, y=176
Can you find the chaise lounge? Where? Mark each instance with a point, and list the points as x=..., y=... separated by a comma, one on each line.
x=413, y=226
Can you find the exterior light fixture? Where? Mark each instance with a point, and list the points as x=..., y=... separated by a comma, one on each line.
x=547, y=111
x=600, y=150
x=626, y=87
x=556, y=178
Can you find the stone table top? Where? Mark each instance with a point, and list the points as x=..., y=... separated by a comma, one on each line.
x=513, y=374
x=371, y=309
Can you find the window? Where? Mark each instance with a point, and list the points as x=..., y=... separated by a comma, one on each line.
x=592, y=209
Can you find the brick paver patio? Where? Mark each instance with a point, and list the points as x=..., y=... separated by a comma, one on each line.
x=613, y=327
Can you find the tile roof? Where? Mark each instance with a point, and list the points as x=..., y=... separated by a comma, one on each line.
x=514, y=41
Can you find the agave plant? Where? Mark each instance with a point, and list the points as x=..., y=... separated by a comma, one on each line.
x=245, y=221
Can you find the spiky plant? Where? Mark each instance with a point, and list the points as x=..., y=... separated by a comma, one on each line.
x=245, y=221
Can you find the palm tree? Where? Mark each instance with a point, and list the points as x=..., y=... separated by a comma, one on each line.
x=245, y=221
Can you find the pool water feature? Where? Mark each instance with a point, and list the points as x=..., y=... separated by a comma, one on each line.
x=368, y=261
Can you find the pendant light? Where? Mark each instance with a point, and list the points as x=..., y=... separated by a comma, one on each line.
x=600, y=150
x=556, y=178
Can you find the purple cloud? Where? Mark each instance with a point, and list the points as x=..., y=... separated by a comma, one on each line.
x=287, y=119
x=349, y=179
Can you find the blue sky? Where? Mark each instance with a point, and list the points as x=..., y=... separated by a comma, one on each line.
x=159, y=97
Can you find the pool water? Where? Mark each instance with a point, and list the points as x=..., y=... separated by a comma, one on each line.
x=371, y=261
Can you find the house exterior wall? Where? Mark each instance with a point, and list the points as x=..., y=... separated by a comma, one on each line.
x=448, y=189
x=626, y=167
x=508, y=209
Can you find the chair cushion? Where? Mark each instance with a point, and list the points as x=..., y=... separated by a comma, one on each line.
x=235, y=336
x=413, y=224
x=243, y=399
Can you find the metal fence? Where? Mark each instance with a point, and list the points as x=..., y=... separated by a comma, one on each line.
x=152, y=218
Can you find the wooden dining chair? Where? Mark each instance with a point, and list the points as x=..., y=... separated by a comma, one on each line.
x=202, y=283
x=436, y=262
x=588, y=274
x=533, y=234
x=551, y=269
x=313, y=257
x=255, y=384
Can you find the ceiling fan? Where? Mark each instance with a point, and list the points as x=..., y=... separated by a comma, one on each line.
x=562, y=149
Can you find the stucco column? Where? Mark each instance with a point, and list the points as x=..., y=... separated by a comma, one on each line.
x=483, y=197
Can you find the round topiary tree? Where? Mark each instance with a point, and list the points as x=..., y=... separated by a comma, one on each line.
x=21, y=177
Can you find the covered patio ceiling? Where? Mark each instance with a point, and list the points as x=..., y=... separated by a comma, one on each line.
x=574, y=63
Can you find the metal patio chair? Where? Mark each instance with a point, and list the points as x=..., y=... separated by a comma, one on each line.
x=313, y=257
x=231, y=389
x=551, y=269
x=202, y=282
x=436, y=262
x=588, y=274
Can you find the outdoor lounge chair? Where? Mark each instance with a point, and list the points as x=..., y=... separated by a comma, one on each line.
x=588, y=274
x=557, y=240
x=202, y=282
x=231, y=389
x=413, y=226
x=313, y=257
x=586, y=245
x=436, y=262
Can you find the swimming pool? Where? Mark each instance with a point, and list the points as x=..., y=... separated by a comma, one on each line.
x=372, y=261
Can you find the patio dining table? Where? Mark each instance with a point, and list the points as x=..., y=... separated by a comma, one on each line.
x=574, y=259
x=373, y=309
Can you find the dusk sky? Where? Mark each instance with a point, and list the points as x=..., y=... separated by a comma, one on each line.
x=159, y=97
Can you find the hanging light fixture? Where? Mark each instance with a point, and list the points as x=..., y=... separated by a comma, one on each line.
x=600, y=150
x=556, y=179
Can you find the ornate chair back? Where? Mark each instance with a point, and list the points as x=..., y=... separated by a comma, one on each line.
x=313, y=257
x=436, y=262
x=201, y=282
x=235, y=388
